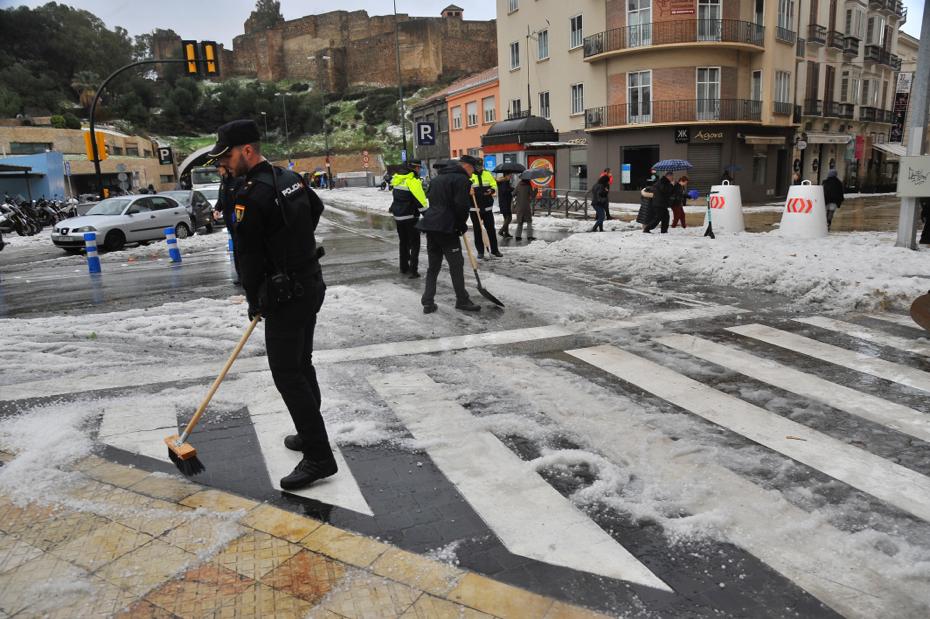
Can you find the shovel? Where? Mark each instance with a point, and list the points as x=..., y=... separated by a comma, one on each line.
x=474, y=265
x=710, y=223
x=484, y=233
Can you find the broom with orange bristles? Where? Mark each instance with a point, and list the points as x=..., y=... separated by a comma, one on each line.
x=183, y=453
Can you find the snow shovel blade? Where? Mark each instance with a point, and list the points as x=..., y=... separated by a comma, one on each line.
x=487, y=295
x=920, y=311
x=710, y=231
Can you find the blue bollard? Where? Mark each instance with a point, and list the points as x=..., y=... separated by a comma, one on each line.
x=173, y=252
x=90, y=246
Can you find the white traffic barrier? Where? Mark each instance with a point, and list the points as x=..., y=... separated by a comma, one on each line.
x=727, y=204
x=805, y=214
x=173, y=252
x=90, y=247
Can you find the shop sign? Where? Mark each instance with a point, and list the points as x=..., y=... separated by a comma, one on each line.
x=625, y=170
x=682, y=135
x=899, y=116
x=860, y=147
x=705, y=135
x=676, y=7
x=542, y=161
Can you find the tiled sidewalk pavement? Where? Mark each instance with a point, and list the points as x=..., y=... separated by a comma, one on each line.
x=166, y=547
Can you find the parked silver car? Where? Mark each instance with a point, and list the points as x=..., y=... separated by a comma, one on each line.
x=121, y=220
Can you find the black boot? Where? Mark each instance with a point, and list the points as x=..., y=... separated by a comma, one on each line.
x=308, y=471
x=294, y=442
x=429, y=309
x=468, y=306
x=497, y=253
x=413, y=274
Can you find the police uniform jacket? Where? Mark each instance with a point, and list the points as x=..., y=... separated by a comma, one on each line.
x=409, y=197
x=449, y=202
x=226, y=197
x=483, y=183
x=272, y=235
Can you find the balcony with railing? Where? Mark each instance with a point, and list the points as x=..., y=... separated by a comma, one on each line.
x=831, y=109
x=850, y=46
x=868, y=114
x=816, y=34
x=846, y=110
x=875, y=53
x=673, y=111
x=835, y=40
x=785, y=108
x=813, y=107
x=725, y=32
x=799, y=50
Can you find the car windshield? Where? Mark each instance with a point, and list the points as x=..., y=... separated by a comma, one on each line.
x=205, y=176
x=184, y=197
x=110, y=206
x=210, y=194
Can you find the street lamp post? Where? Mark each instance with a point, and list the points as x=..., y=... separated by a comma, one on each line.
x=265, y=118
x=400, y=88
x=287, y=139
x=329, y=166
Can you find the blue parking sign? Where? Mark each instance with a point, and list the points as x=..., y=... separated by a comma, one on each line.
x=426, y=134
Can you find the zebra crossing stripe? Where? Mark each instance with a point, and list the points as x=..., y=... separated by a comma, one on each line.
x=529, y=516
x=898, y=319
x=873, y=366
x=127, y=427
x=866, y=406
x=820, y=558
x=870, y=335
x=890, y=482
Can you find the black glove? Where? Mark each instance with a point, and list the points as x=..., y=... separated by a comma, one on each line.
x=253, y=312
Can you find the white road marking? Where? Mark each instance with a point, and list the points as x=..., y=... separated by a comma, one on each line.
x=895, y=416
x=890, y=482
x=840, y=356
x=528, y=515
x=898, y=319
x=803, y=547
x=341, y=490
x=913, y=345
x=136, y=430
x=162, y=373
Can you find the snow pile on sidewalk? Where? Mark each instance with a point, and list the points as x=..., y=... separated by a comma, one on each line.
x=854, y=271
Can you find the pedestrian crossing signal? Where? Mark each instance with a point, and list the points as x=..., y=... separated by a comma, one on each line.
x=209, y=57
x=191, y=67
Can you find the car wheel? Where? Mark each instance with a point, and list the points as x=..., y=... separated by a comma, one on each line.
x=114, y=240
x=72, y=250
x=181, y=231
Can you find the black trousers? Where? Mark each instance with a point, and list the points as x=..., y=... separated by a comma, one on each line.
x=409, y=237
x=289, y=345
x=441, y=245
x=659, y=215
x=487, y=220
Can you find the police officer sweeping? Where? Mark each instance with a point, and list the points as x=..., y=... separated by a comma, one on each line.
x=446, y=218
x=276, y=216
x=485, y=188
x=409, y=200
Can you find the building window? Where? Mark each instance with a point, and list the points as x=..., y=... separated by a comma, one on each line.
x=875, y=34
x=474, y=152
x=490, y=113
x=29, y=148
x=578, y=162
x=865, y=93
x=456, y=118
x=515, y=107
x=167, y=178
x=759, y=12
x=854, y=19
x=844, y=87
x=577, y=99
x=116, y=150
x=146, y=153
x=639, y=97
x=542, y=38
x=471, y=113
x=782, y=87
x=708, y=93
x=577, y=32
x=639, y=19
x=756, y=86
x=641, y=160
x=443, y=118
x=132, y=151
x=544, y=104
x=786, y=14
x=514, y=55
x=514, y=5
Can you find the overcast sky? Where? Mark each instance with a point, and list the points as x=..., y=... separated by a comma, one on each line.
x=221, y=21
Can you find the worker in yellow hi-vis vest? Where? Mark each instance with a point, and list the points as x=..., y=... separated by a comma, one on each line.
x=409, y=200
x=485, y=188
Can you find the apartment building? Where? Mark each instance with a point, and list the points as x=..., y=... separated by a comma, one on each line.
x=472, y=108
x=847, y=72
x=546, y=84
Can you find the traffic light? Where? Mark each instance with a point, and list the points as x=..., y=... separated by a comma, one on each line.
x=192, y=66
x=209, y=56
x=101, y=146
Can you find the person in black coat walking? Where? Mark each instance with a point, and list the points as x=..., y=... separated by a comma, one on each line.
x=446, y=218
x=661, y=202
x=505, y=201
x=599, y=201
x=225, y=206
x=832, y=195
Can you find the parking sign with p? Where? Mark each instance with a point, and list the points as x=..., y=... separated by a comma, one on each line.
x=426, y=134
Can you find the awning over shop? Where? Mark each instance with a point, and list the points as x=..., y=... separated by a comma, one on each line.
x=828, y=138
x=765, y=139
x=892, y=148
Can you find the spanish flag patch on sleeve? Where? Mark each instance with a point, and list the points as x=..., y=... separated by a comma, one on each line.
x=240, y=212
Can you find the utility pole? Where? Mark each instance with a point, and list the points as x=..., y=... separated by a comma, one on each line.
x=529, y=101
x=265, y=118
x=400, y=88
x=917, y=125
x=287, y=139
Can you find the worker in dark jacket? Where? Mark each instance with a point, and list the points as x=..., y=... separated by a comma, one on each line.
x=505, y=200
x=832, y=195
x=661, y=202
x=225, y=205
x=446, y=218
x=276, y=217
x=409, y=200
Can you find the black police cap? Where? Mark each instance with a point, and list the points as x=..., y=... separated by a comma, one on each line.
x=414, y=162
x=472, y=161
x=234, y=133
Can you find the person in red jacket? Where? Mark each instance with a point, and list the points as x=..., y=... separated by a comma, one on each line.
x=610, y=183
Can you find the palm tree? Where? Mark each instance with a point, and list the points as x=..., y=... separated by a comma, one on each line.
x=84, y=84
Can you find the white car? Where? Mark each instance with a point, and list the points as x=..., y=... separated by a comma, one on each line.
x=126, y=219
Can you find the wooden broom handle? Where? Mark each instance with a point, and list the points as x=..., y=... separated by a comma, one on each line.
x=219, y=379
x=471, y=256
x=484, y=233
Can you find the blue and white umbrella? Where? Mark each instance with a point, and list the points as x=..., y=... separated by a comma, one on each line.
x=672, y=165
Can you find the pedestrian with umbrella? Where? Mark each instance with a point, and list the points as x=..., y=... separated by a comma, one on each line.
x=505, y=194
x=663, y=192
